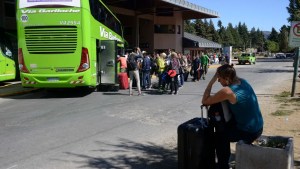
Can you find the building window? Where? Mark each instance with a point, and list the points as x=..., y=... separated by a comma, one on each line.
x=167, y=29
x=9, y=9
x=178, y=29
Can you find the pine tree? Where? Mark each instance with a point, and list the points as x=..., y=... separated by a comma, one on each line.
x=294, y=10
x=273, y=36
x=243, y=31
x=189, y=26
x=283, y=39
x=260, y=40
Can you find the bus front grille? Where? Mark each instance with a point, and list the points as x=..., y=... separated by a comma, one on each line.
x=51, y=40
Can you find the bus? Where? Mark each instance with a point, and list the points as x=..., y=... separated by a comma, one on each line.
x=68, y=43
x=7, y=62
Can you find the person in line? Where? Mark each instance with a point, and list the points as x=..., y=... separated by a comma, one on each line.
x=204, y=64
x=186, y=67
x=182, y=64
x=227, y=59
x=161, y=70
x=146, y=68
x=139, y=58
x=154, y=67
x=132, y=66
x=246, y=123
x=216, y=58
x=123, y=63
x=196, y=67
x=174, y=65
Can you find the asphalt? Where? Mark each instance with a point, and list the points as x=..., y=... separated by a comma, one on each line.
x=15, y=87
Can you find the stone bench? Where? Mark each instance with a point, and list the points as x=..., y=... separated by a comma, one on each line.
x=267, y=152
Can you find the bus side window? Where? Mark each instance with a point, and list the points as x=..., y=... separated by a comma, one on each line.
x=6, y=50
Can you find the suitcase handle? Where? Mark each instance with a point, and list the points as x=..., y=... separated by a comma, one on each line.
x=202, y=110
x=202, y=119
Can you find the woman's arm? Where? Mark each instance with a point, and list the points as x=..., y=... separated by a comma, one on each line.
x=224, y=94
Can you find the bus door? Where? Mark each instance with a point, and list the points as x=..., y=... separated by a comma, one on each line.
x=2, y=65
x=107, y=62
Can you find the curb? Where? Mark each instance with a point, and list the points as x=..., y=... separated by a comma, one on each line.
x=214, y=66
x=7, y=85
x=18, y=90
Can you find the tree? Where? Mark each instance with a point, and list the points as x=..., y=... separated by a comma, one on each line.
x=189, y=26
x=294, y=10
x=229, y=39
x=273, y=36
x=210, y=30
x=283, y=39
x=260, y=41
x=272, y=46
x=243, y=31
x=220, y=24
x=200, y=28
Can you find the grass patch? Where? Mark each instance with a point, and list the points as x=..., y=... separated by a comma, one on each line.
x=284, y=97
x=297, y=100
x=297, y=109
x=296, y=103
x=285, y=104
x=283, y=94
x=282, y=113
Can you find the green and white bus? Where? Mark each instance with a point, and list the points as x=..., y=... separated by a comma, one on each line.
x=7, y=63
x=68, y=43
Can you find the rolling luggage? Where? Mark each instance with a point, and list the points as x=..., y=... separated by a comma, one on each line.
x=200, y=73
x=196, y=149
x=123, y=80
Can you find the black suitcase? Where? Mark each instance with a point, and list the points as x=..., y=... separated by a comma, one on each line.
x=195, y=143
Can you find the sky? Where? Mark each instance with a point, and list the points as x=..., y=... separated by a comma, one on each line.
x=262, y=14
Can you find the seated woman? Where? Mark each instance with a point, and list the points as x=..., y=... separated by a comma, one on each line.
x=246, y=123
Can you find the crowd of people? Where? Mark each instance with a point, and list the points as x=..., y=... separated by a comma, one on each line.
x=172, y=69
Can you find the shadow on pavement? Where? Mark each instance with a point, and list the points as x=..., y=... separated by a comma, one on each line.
x=275, y=71
x=146, y=156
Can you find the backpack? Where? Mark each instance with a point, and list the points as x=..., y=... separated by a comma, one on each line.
x=146, y=63
x=131, y=64
x=154, y=65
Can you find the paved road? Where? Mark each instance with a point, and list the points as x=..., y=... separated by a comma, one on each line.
x=72, y=129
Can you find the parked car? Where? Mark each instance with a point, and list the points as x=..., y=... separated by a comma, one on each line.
x=247, y=58
x=280, y=56
x=290, y=55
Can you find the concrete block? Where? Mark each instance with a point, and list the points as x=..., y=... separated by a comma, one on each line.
x=264, y=155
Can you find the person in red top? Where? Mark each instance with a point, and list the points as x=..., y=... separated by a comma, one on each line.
x=123, y=63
